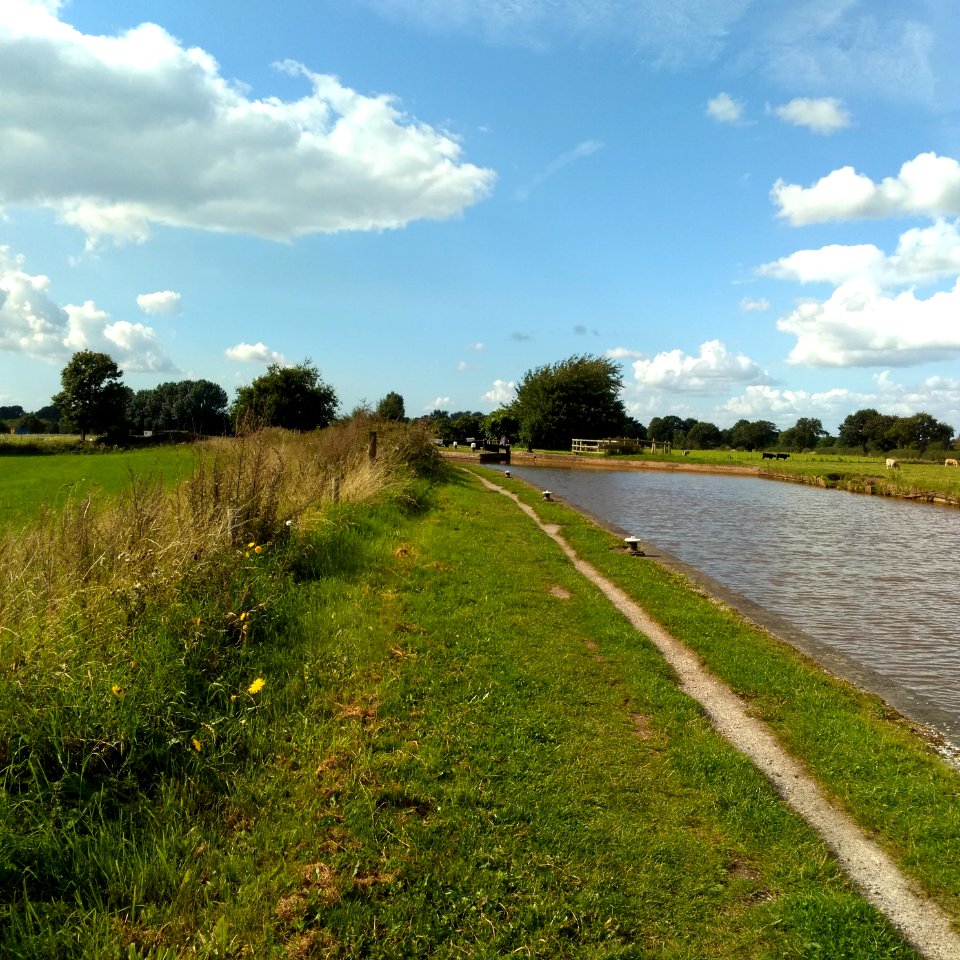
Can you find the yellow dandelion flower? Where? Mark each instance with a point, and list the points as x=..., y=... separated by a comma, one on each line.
x=197, y=745
x=243, y=616
x=246, y=553
x=257, y=685
x=233, y=696
x=258, y=549
x=196, y=621
x=251, y=544
x=117, y=691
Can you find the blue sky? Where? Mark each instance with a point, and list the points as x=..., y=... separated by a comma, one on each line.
x=753, y=206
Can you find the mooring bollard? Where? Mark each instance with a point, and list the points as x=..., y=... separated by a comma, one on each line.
x=546, y=494
x=633, y=544
x=506, y=473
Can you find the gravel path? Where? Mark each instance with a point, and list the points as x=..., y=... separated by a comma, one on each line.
x=920, y=920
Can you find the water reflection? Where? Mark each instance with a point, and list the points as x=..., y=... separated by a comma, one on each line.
x=870, y=577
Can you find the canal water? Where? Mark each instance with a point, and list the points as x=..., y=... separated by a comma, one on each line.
x=874, y=581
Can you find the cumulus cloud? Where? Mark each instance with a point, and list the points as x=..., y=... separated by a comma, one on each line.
x=826, y=115
x=923, y=254
x=861, y=324
x=438, y=403
x=32, y=322
x=754, y=305
x=163, y=303
x=928, y=185
x=119, y=133
x=502, y=391
x=714, y=370
x=724, y=109
x=254, y=353
x=938, y=395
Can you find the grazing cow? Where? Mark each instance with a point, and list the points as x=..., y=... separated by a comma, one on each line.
x=782, y=456
x=768, y=456
x=893, y=464
x=950, y=462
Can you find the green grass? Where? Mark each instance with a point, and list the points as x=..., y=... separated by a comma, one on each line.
x=29, y=484
x=459, y=750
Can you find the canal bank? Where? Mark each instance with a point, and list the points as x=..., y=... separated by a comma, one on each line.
x=922, y=922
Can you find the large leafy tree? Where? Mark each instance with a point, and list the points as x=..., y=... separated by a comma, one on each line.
x=391, y=407
x=194, y=406
x=576, y=397
x=920, y=430
x=805, y=434
x=753, y=434
x=292, y=397
x=93, y=397
x=854, y=431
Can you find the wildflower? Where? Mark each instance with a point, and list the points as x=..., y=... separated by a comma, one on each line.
x=258, y=549
x=251, y=544
x=117, y=691
x=257, y=685
x=233, y=696
x=243, y=616
x=197, y=745
x=196, y=621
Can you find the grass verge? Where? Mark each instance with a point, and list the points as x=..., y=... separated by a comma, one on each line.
x=432, y=740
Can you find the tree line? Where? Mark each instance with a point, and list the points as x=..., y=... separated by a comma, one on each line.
x=578, y=397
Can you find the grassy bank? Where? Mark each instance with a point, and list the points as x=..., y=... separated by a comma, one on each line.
x=405, y=727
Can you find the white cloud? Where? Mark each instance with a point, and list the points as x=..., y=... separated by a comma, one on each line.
x=922, y=255
x=254, y=353
x=862, y=325
x=163, y=303
x=438, y=403
x=724, y=109
x=31, y=322
x=624, y=353
x=116, y=134
x=463, y=365
x=712, y=371
x=581, y=150
x=826, y=115
x=502, y=391
x=785, y=407
x=937, y=395
x=928, y=185
x=751, y=305
x=477, y=346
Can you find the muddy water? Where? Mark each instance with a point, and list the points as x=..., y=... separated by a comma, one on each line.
x=876, y=581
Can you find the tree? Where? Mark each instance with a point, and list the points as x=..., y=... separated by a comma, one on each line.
x=704, y=436
x=193, y=406
x=93, y=396
x=853, y=432
x=391, y=407
x=920, y=431
x=291, y=397
x=753, y=435
x=803, y=435
x=664, y=429
x=576, y=397
x=12, y=412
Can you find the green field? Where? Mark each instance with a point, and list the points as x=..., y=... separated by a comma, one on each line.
x=404, y=726
x=31, y=483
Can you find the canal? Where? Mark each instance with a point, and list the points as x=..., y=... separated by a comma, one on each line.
x=867, y=585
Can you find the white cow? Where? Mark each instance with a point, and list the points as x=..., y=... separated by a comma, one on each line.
x=893, y=464
x=950, y=462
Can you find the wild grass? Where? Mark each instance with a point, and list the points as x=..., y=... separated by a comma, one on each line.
x=403, y=727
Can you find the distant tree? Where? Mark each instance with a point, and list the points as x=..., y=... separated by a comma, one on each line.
x=4, y=427
x=853, y=431
x=634, y=429
x=93, y=397
x=11, y=412
x=880, y=432
x=49, y=413
x=920, y=431
x=391, y=407
x=576, y=397
x=500, y=424
x=465, y=423
x=753, y=435
x=31, y=423
x=803, y=435
x=704, y=436
x=291, y=397
x=664, y=429
x=193, y=406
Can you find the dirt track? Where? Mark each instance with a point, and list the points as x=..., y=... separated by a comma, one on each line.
x=920, y=920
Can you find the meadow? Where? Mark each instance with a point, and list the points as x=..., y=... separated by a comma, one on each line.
x=303, y=704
